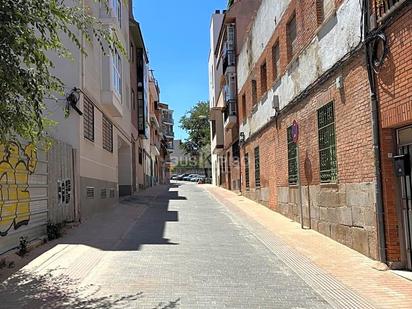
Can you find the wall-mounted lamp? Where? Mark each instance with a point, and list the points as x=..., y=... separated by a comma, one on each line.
x=72, y=100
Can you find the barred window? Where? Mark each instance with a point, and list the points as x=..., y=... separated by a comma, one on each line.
x=88, y=119
x=257, y=167
x=107, y=134
x=276, y=61
x=247, y=178
x=292, y=35
x=327, y=144
x=254, y=92
x=292, y=159
x=263, y=78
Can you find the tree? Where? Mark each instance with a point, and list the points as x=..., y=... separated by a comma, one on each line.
x=196, y=124
x=29, y=31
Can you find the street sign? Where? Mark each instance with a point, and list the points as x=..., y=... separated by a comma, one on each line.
x=295, y=132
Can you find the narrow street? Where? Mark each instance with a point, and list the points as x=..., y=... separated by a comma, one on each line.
x=174, y=247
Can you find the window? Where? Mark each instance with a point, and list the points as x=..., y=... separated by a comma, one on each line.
x=291, y=35
x=140, y=156
x=254, y=92
x=133, y=100
x=107, y=134
x=263, y=78
x=327, y=144
x=117, y=10
x=117, y=72
x=244, y=115
x=88, y=119
x=247, y=176
x=276, y=61
x=257, y=167
x=131, y=52
x=324, y=9
x=213, y=128
x=292, y=159
x=141, y=112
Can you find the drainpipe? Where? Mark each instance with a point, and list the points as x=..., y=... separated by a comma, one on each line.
x=376, y=137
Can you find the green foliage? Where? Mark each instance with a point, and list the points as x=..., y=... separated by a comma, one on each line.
x=23, y=246
x=196, y=124
x=54, y=231
x=29, y=31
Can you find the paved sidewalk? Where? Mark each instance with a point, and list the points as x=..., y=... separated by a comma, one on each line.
x=383, y=289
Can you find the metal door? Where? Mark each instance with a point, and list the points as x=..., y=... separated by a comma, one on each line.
x=405, y=147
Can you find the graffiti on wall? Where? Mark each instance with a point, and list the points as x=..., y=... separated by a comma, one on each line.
x=64, y=189
x=17, y=163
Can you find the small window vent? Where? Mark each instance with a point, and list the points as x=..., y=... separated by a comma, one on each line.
x=103, y=193
x=90, y=192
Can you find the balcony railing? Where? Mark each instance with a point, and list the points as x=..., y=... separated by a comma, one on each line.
x=384, y=8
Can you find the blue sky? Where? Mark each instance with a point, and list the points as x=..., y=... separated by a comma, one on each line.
x=176, y=35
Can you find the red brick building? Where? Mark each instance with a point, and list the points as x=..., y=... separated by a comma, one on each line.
x=308, y=122
x=393, y=80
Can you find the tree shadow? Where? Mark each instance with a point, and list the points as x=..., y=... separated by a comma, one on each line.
x=33, y=290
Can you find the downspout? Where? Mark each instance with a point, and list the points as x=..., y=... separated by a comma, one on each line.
x=380, y=220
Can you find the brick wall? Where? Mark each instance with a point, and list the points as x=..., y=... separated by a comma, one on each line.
x=394, y=80
x=344, y=211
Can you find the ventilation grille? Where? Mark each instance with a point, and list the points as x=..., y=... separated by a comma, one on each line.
x=90, y=192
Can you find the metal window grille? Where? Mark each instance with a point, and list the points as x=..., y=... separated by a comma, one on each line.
x=247, y=176
x=292, y=159
x=257, y=167
x=107, y=134
x=103, y=193
x=88, y=119
x=90, y=192
x=111, y=193
x=327, y=144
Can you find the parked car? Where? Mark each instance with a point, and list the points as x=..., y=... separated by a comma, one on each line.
x=181, y=176
x=189, y=177
x=198, y=178
x=174, y=177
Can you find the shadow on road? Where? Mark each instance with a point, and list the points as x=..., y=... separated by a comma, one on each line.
x=137, y=220
x=30, y=290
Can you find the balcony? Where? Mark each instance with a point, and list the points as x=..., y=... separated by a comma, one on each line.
x=155, y=149
x=384, y=8
x=168, y=120
x=110, y=98
x=230, y=115
x=169, y=134
x=169, y=147
x=216, y=117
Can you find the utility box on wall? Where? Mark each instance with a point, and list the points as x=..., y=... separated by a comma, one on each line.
x=402, y=165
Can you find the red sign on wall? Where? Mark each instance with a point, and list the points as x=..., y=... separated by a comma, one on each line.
x=295, y=132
